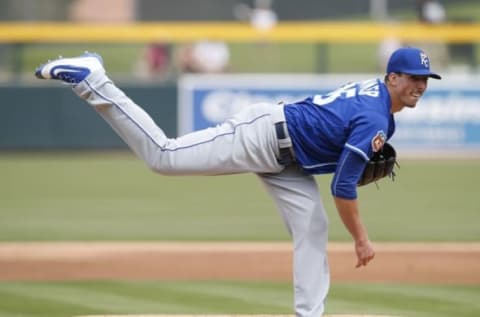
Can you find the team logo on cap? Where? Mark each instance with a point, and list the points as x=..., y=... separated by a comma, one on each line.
x=378, y=141
x=424, y=59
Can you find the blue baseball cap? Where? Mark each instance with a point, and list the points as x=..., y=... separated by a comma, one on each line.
x=412, y=61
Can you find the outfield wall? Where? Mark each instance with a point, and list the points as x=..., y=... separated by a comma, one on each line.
x=51, y=117
x=446, y=119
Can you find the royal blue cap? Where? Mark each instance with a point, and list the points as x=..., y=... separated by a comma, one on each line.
x=412, y=61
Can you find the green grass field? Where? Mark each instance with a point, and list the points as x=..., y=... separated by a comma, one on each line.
x=76, y=196
x=60, y=299
x=113, y=196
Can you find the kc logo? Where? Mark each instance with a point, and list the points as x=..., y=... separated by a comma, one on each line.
x=424, y=59
x=378, y=141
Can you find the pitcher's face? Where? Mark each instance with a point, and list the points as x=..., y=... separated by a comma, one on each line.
x=406, y=90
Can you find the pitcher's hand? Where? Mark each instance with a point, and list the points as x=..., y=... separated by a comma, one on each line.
x=365, y=252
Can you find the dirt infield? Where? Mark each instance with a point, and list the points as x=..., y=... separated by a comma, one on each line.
x=445, y=263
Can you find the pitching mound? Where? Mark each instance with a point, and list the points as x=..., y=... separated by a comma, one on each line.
x=267, y=261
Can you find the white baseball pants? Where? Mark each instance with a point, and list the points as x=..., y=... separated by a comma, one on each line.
x=245, y=143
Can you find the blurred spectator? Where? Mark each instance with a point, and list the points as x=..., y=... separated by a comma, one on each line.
x=385, y=49
x=430, y=11
x=261, y=16
x=204, y=57
x=433, y=12
x=155, y=62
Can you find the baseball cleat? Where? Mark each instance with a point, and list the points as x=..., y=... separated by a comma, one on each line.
x=71, y=70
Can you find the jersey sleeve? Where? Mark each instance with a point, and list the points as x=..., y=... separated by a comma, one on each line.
x=349, y=169
x=367, y=135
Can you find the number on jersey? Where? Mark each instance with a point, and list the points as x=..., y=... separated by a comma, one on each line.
x=367, y=88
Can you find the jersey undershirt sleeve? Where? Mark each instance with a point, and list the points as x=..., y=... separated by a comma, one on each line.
x=349, y=169
x=359, y=148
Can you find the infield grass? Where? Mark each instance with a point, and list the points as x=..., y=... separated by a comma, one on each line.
x=62, y=299
x=113, y=196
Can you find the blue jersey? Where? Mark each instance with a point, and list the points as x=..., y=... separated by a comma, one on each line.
x=339, y=132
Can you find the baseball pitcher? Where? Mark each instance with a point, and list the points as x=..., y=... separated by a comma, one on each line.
x=343, y=132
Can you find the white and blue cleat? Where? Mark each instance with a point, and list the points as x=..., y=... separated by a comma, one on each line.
x=71, y=70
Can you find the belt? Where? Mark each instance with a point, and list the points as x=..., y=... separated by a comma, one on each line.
x=285, y=150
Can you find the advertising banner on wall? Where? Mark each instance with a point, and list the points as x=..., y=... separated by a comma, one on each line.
x=447, y=118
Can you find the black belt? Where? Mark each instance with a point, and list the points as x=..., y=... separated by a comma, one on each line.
x=285, y=153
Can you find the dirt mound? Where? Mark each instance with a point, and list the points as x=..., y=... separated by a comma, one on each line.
x=407, y=263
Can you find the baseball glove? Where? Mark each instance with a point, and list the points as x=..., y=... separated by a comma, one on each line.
x=380, y=165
